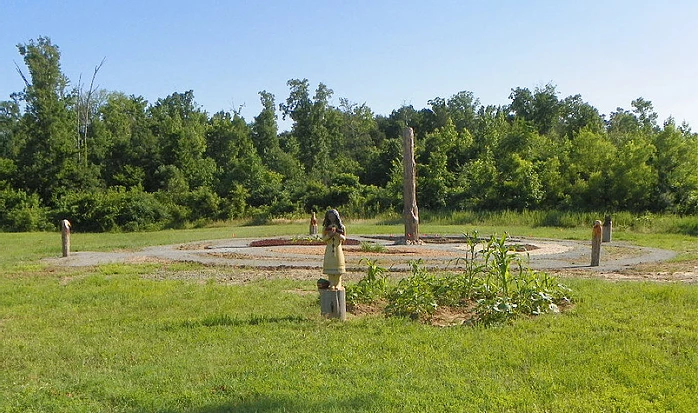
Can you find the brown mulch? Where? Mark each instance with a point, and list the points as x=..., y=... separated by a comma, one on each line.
x=391, y=251
x=275, y=242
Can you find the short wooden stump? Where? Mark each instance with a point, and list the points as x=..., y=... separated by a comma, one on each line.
x=333, y=303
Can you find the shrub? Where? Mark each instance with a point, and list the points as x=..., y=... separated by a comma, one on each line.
x=137, y=210
x=20, y=211
x=112, y=210
x=367, y=246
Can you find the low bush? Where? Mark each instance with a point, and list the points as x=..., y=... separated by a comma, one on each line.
x=20, y=212
x=113, y=210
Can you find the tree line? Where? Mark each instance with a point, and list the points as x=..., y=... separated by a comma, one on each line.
x=108, y=161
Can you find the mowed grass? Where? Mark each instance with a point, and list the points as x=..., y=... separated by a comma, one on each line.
x=114, y=339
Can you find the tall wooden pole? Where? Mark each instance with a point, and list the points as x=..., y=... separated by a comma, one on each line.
x=410, y=213
x=596, y=244
x=607, y=229
x=65, y=237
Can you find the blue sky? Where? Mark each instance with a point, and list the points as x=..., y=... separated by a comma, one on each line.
x=382, y=53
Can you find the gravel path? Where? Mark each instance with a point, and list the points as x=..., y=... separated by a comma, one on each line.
x=545, y=254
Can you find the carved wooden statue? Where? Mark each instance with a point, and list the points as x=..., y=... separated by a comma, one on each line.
x=313, y=225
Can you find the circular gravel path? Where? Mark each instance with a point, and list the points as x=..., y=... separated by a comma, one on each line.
x=545, y=254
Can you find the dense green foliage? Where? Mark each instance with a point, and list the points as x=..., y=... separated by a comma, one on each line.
x=109, y=162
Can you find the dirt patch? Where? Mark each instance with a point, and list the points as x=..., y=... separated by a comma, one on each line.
x=194, y=246
x=367, y=309
x=452, y=316
x=683, y=271
x=443, y=316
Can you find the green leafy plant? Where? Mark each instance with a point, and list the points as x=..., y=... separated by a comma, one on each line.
x=474, y=266
x=508, y=293
x=415, y=296
x=371, y=287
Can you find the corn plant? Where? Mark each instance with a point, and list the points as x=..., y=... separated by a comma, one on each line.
x=371, y=287
x=474, y=266
x=498, y=260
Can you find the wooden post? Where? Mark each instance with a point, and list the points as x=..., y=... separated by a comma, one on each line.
x=410, y=212
x=607, y=229
x=65, y=237
x=333, y=303
x=596, y=244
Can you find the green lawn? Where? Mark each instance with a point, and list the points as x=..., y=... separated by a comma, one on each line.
x=108, y=339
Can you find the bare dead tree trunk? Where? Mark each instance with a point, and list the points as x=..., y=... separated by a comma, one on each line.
x=84, y=123
x=78, y=115
x=410, y=213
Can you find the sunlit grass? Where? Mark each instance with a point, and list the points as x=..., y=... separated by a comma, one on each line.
x=113, y=338
x=108, y=340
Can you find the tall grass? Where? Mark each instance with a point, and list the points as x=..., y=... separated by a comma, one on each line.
x=644, y=223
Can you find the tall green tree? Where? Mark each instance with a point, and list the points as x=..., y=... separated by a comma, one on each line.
x=360, y=135
x=644, y=111
x=180, y=125
x=131, y=150
x=266, y=140
x=298, y=107
x=317, y=127
x=541, y=108
x=675, y=161
x=47, y=158
x=9, y=123
x=435, y=177
x=265, y=128
x=634, y=180
x=576, y=114
x=589, y=171
x=461, y=108
x=239, y=166
x=517, y=152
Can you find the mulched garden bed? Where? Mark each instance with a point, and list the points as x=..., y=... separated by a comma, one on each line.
x=276, y=242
